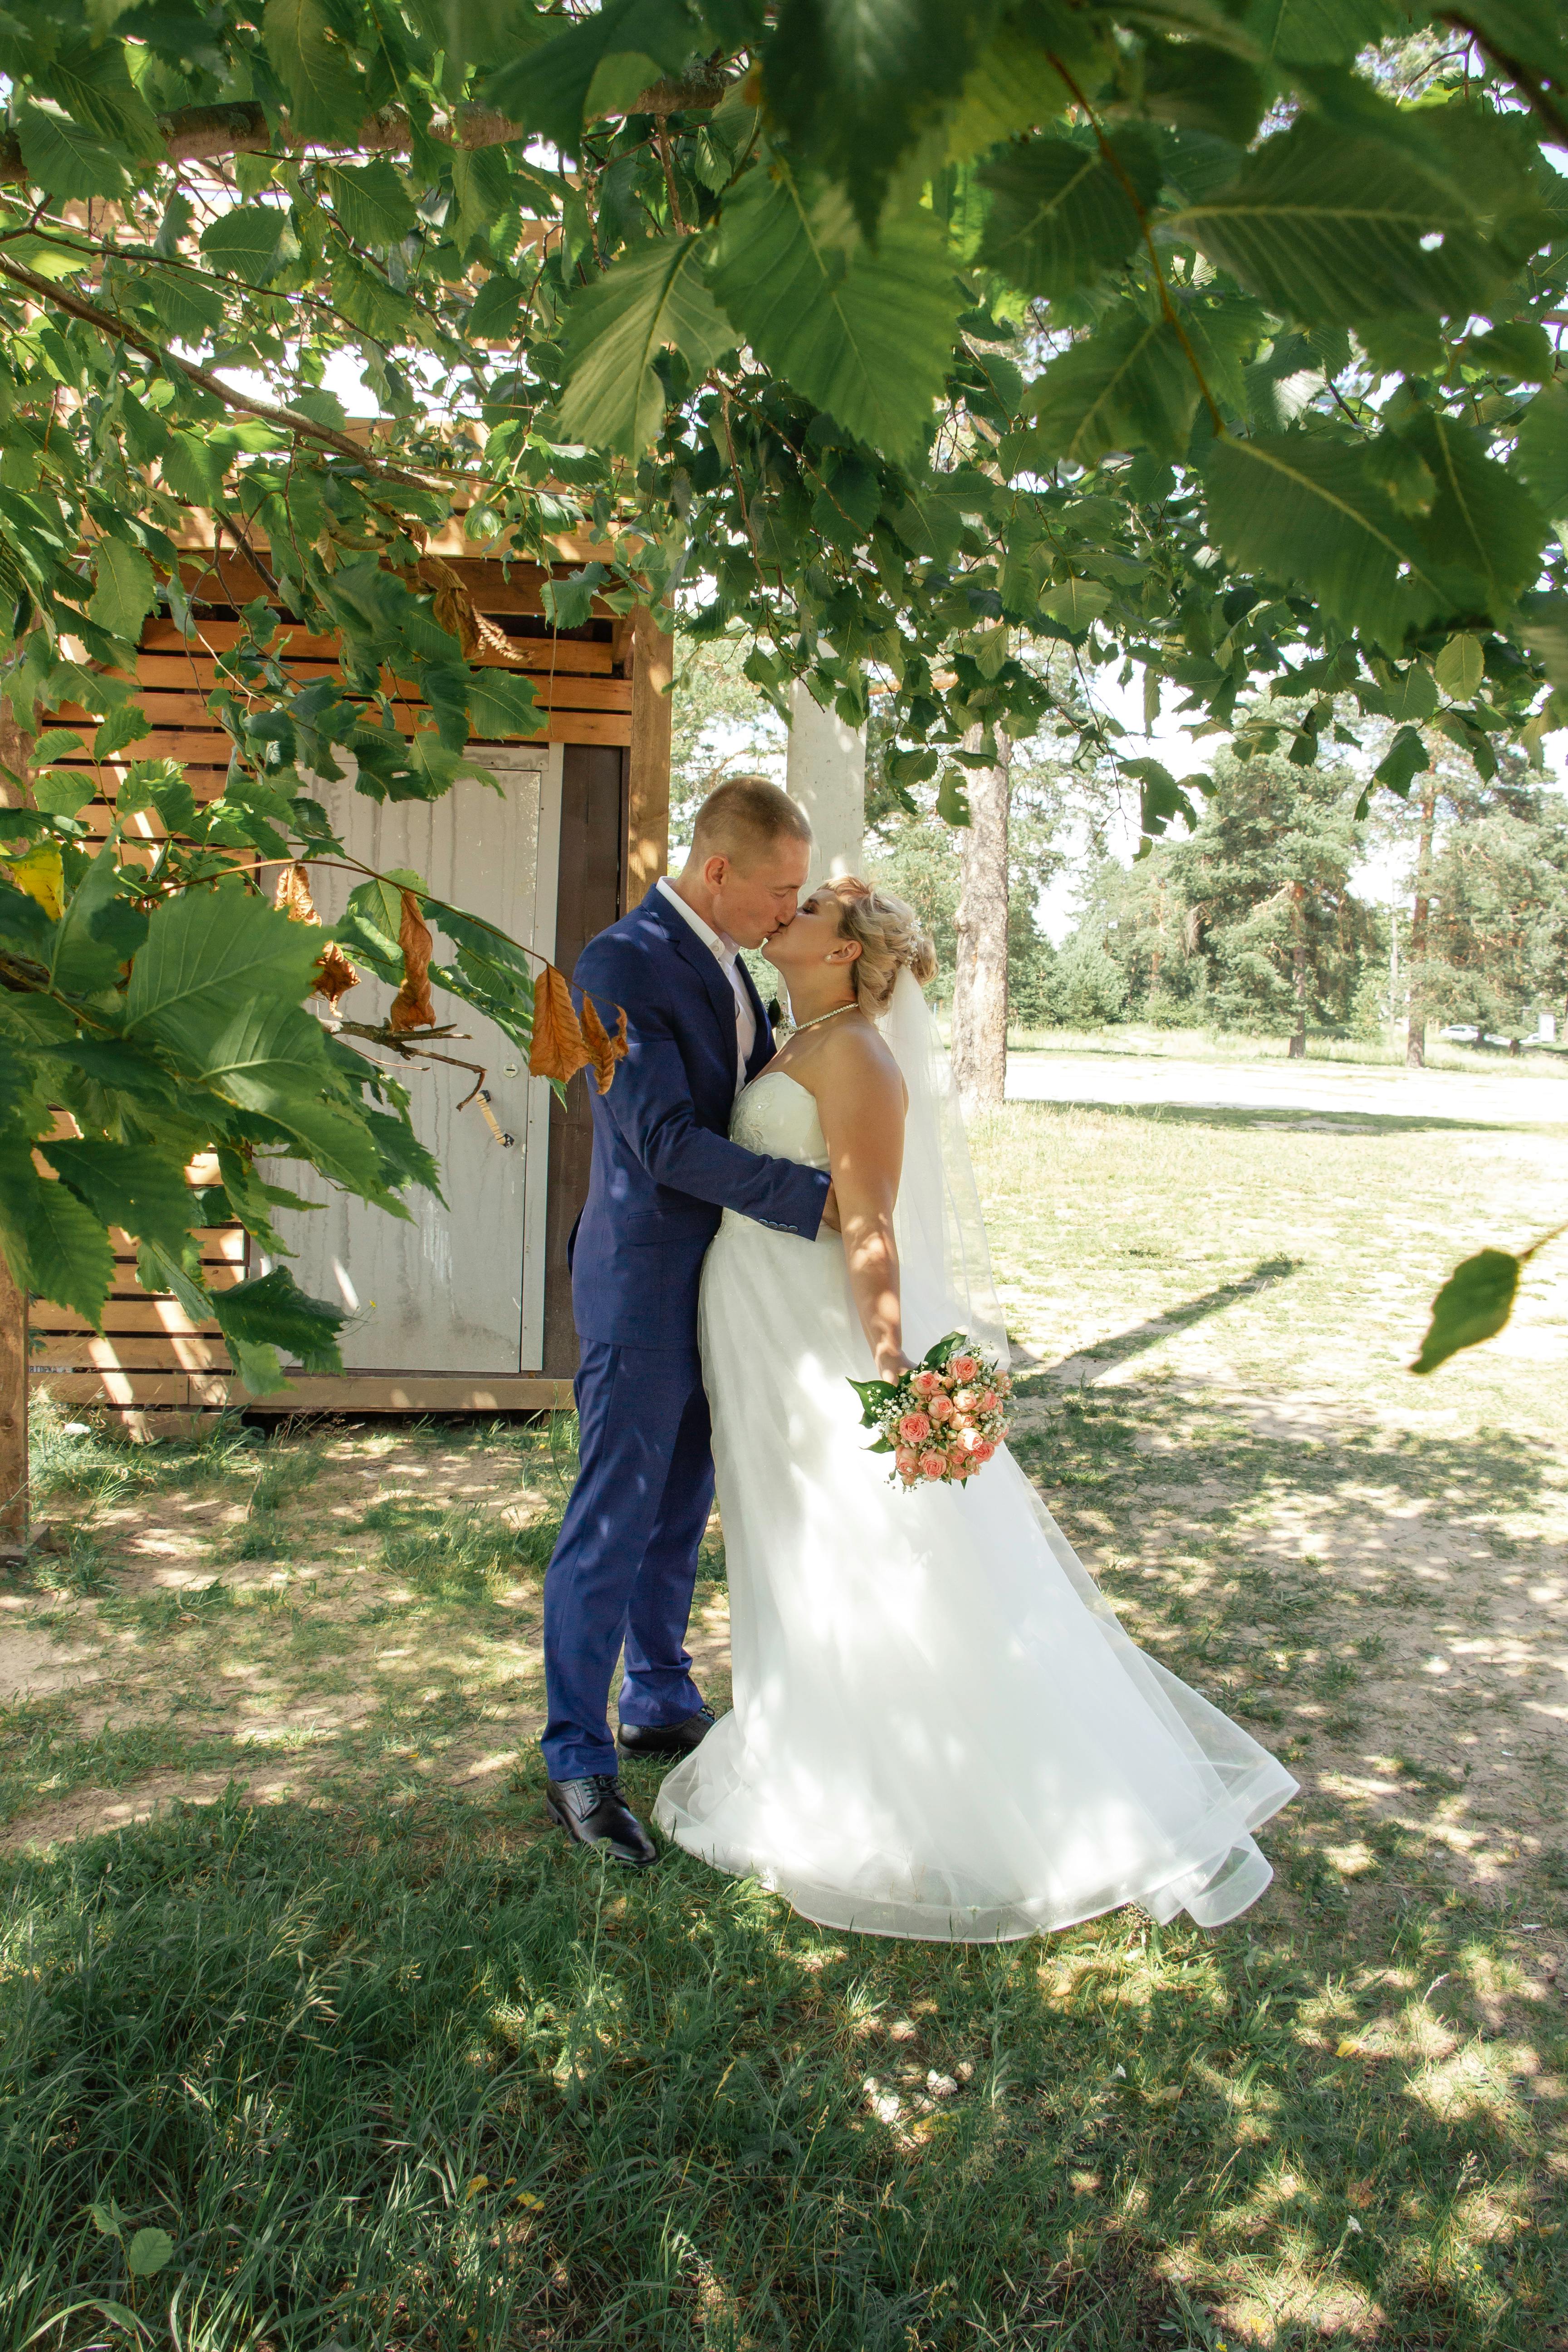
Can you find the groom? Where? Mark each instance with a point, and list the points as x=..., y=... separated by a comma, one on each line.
x=663, y=1170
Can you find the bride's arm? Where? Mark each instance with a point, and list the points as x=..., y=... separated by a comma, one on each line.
x=861, y=1102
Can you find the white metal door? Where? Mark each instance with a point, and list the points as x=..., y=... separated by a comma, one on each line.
x=460, y=1288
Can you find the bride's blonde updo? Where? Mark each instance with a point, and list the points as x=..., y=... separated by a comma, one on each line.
x=890, y=939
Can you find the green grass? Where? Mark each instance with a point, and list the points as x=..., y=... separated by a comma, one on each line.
x=394, y=2069
x=404, y=2075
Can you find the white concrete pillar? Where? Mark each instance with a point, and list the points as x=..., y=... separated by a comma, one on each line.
x=826, y=774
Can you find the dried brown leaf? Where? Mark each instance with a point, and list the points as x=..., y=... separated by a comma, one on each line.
x=293, y=897
x=456, y=612
x=335, y=975
x=605, y=1050
x=413, y=1006
x=558, y=1043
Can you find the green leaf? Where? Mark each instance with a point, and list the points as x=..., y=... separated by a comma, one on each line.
x=247, y=242
x=1318, y=32
x=1540, y=453
x=148, y=2252
x=503, y=703
x=210, y=954
x=1128, y=386
x=1519, y=350
x=91, y=81
x=1060, y=216
x=952, y=800
x=272, y=1311
x=1544, y=624
x=496, y=311
x=326, y=96
x=653, y=297
x=1410, y=694
x=1327, y=225
x=1294, y=507
x=133, y=1185
x=55, y=1248
x=124, y=590
x=1011, y=86
x=854, y=82
x=1482, y=528
x=1076, y=603
x=1402, y=762
x=1160, y=796
x=1194, y=86
x=63, y=791
x=621, y=47
x=1473, y=1304
x=64, y=158
x=98, y=931
x=865, y=334
x=370, y=202
x=194, y=469
x=366, y=300
x=1460, y=667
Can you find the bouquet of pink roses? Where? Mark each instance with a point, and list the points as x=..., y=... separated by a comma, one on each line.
x=943, y=1421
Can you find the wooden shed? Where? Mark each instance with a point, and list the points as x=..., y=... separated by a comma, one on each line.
x=468, y=1308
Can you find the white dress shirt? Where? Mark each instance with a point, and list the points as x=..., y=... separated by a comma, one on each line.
x=724, y=947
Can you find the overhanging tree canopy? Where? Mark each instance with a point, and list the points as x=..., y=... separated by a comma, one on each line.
x=1213, y=341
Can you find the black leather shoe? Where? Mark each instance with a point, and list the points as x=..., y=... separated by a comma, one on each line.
x=667, y=1738
x=595, y=1812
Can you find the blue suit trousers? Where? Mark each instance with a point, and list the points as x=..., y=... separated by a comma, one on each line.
x=625, y=1560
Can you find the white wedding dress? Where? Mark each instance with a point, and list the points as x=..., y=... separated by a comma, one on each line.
x=939, y=1728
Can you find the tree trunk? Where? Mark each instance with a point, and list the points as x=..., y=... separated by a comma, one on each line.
x=15, y=749
x=980, y=988
x=1299, y=971
x=1415, y=1044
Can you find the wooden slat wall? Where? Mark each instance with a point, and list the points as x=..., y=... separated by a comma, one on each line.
x=151, y=1363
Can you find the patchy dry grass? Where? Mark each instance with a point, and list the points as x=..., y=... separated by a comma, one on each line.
x=393, y=2069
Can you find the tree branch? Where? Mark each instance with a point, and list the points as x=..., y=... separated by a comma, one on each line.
x=199, y=134
x=119, y=330
x=1543, y=101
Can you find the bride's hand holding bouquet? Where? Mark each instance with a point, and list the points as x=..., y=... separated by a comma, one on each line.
x=941, y=1419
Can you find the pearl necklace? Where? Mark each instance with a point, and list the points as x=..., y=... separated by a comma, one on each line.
x=831, y=1014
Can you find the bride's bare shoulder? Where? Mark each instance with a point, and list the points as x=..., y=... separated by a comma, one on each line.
x=856, y=1059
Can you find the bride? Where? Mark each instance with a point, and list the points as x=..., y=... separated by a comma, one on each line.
x=939, y=1728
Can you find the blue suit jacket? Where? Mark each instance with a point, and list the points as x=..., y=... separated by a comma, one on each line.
x=664, y=1167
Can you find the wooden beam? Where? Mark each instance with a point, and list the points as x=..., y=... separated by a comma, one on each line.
x=647, y=801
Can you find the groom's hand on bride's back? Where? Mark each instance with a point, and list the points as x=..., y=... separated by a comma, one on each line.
x=830, y=1211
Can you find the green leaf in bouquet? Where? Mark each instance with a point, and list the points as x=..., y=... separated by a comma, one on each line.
x=934, y=1357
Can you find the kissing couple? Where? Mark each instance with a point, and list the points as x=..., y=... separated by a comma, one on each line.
x=939, y=1729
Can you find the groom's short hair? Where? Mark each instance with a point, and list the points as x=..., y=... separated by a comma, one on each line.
x=742, y=817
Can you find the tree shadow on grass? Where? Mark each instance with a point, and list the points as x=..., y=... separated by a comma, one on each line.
x=407, y=2077
x=1102, y=1354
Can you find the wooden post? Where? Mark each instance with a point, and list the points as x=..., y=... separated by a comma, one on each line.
x=16, y=750
x=13, y=1416
x=647, y=801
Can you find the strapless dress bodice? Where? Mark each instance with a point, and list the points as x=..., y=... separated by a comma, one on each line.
x=774, y=1115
